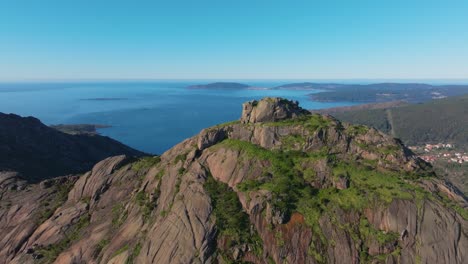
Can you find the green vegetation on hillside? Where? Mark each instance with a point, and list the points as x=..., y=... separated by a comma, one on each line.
x=310, y=122
x=442, y=120
x=146, y=163
x=231, y=221
x=289, y=188
x=288, y=183
x=73, y=233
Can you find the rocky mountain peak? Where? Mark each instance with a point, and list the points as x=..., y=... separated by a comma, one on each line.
x=270, y=109
x=309, y=189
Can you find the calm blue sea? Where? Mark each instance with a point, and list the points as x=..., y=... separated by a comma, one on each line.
x=149, y=116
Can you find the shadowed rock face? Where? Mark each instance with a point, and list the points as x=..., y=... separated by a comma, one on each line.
x=37, y=152
x=271, y=110
x=300, y=190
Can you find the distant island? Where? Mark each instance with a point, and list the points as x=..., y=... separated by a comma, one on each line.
x=220, y=86
x=104, y=99
x=308, y=86
x=356, y=93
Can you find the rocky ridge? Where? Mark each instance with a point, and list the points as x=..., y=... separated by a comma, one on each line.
x=279, y=186
x=36, y=152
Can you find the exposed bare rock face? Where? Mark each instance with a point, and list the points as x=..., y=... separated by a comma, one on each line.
x=288, y=188
x=271, y=109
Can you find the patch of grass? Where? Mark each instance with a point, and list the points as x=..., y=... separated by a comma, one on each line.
x=177, y=185
x=49, y=206
x=51, y=252
x=119, y=215
x=447, y=202
x=230, y=123
x=146, y=205
x=163, y=213
x=180, y=157
x=249, y=149
x=135, y=252
x=355, y=130
x=100, y=246
x=287, y=181
x=418, y=259
x=120, y=251
x=140, y=198
x=387, y=150
x=385, y=186
x=146, y=163
x=312, y=251
x=312, y=122
x=249, y=185
x=368, y=232
x=279, y=238
x=181, y=170
x=160, y=174
x=231, y=220
x=86, y=200
x=292, y=141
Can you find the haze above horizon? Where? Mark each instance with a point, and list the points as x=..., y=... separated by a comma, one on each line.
x=54, y=39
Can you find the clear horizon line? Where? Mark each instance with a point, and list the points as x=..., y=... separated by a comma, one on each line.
x=223, y=79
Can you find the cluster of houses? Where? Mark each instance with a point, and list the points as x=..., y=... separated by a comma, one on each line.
x=443, y=151
x=459, y=158
x=430, y=147
x=450, y=157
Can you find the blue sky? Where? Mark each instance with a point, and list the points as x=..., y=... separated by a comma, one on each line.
x=111, y=39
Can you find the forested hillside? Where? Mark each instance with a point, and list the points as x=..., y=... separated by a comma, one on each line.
x=442, y=120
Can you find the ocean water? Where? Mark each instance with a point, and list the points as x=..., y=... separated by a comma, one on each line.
x=148, y=116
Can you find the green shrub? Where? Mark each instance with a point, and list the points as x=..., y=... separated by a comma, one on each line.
x=120, y=250
x=119, y=215
x=146, y=163
x=180, y=157
x=135, y=252
x=146, y=206
x=73, y=233
x=231, y=220
x=100, y=246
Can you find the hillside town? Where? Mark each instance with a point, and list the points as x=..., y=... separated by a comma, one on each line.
x=440, y=152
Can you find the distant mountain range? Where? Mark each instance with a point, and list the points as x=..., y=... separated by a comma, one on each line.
x=385, y=92
x=359, y=93
x=309, y=86
x=220, y=86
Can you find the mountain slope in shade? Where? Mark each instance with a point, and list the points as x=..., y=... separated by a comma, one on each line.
x=279, y=186
x=38, y=152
